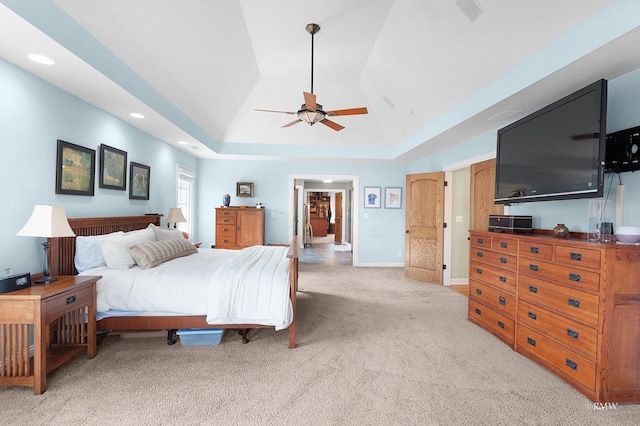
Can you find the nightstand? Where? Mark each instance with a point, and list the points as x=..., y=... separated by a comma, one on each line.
x=63, y=315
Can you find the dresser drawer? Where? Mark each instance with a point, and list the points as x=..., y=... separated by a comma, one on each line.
x=501, y=260
x=225, y=230
x=560, y=274
x=574, y=256
x=536, y=250
x=505, y=280
x=480, y=241
x=578, y=305
x=225, y=241
x=504, y=244
x=68, y=301
x=492, y=321
x=498, y=300
x=226, y=217
x=564, y=362
x=573, y=334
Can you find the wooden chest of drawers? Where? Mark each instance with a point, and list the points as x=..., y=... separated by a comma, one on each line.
x=237, y=227
x=575, y=307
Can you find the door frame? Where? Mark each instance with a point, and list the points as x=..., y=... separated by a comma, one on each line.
x=355, y=212
x=448, y=200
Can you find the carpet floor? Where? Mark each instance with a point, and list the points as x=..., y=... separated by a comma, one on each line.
x=373, y=349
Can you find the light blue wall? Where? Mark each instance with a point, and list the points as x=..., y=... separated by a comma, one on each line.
x=33, y=116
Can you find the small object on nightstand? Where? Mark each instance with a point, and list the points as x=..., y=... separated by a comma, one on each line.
x=560, y=231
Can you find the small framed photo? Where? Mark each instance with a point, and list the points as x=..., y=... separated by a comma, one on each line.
x=113, y=168
x=139, y=176
x=392, y=198
x=244, y=189
x=371, y=197
x=75, y=169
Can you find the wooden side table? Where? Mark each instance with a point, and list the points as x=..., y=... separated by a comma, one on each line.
x=63, y=315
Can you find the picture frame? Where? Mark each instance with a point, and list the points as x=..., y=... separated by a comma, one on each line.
x=244, y=189
x=372, y=197
x=113, y=168
x=139, y=178
x=392, y=197
x=75, y=169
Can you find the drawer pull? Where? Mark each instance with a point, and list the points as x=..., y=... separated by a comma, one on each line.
x=575, y=256
x=225, y=220
x=226, y=229
x=225, y=241
x=478, y=311
x=503, y=279
x=479, y=254
x=500, y=324
x=479, y=291
x=503, y=260
x=478, y=270
x=502, y=301
x=573, y=302
x=531, y=341
x=571, y=364
x=574, y=277
x=532, y=315
x=572, y=333
x=503, y=245
x=533, y=267
x=533, y=289
x=480, y=241
x=534, y=250
x=71, y=299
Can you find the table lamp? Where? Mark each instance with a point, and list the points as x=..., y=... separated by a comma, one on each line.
x=48, y=222
x=175, y=216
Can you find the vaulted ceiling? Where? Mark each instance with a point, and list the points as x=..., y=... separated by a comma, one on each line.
x=431, y=74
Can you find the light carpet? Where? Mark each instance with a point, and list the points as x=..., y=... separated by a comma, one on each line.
x=373, y=349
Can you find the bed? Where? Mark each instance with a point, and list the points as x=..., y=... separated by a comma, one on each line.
x=62, y=255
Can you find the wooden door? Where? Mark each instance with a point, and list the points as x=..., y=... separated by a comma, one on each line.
x=424, y=222
x=338, y=219
x=250, y=227
x=482, y=181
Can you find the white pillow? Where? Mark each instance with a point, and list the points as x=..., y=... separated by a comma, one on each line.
x=165, y=233
x=116, y=250
x=88, y=252
x=152, y=254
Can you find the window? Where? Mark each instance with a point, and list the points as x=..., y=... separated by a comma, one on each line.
x=186, y=197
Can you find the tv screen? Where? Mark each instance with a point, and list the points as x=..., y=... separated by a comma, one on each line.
x=557, y=152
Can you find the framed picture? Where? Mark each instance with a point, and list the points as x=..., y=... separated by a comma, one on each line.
x=244, y=189
x=139, y=175
x=113, y=168
x=371, y=197
x=75, y=169
x=392, y=198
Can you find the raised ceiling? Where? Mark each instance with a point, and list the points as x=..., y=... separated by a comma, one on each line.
x=429, y=76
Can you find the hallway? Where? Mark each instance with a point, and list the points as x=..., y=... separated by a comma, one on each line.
x=323, y=250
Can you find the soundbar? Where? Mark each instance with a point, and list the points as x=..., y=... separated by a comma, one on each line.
x=511, y=224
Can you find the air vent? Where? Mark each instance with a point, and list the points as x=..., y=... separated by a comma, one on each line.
x=470, y=8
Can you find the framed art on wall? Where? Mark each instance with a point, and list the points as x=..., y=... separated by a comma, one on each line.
x=139, y=176
x=244, y=189
x=392, y=198
x=75, y=169
x=113, y=168
x=371, y=197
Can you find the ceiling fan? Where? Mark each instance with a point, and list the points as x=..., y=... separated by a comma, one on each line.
x=312, y=112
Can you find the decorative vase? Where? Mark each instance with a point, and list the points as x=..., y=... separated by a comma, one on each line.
x=226, y=200
x=560, y=231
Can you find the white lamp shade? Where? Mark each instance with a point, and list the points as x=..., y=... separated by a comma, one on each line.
x=175, y=215
x=47, y=221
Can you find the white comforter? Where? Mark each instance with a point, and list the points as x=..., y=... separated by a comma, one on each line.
x=249, y=286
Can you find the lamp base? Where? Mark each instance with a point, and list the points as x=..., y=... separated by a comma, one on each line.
x=46, y=280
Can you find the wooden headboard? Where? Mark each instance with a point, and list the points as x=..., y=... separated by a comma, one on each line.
x=62, y=251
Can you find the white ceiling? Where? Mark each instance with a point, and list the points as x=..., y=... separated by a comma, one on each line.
x=429, y=76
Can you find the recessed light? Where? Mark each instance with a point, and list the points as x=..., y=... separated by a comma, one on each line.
x=41, y=59
x=183, y=143
x=136, y=115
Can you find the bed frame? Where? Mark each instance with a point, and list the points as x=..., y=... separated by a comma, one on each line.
x=61, y=257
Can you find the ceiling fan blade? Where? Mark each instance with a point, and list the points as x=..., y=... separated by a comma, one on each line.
x=350, y=111
x=335, y=126
x=292, y=123
x=271, y=110
x=310, y=101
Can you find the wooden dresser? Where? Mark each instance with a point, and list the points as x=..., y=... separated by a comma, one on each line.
x=239, y=227
x=567, y=304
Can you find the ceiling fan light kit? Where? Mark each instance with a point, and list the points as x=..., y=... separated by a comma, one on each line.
x=311, y=112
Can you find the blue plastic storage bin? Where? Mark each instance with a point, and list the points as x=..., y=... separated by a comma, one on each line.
x=200, y=336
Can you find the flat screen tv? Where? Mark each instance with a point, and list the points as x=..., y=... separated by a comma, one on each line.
x=555, y=153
